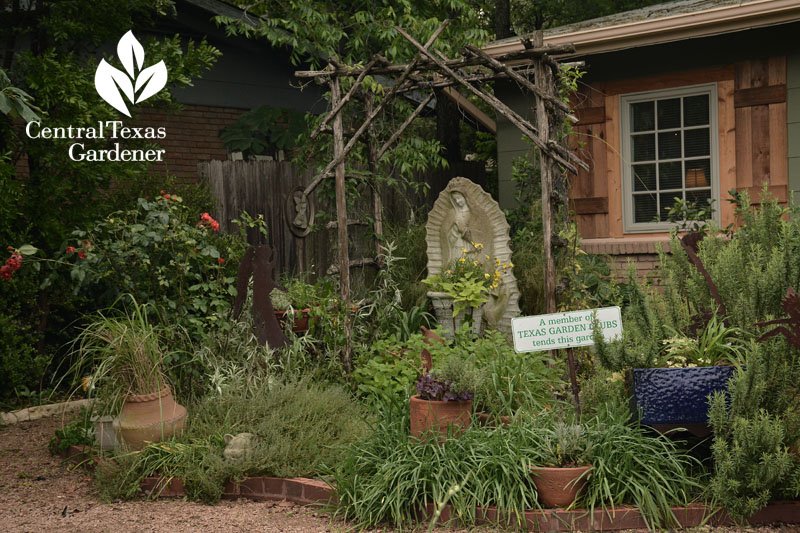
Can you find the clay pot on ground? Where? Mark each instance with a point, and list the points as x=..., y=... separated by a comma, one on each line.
x=149, y=418
x=427, y=414
x=301, y=320
x=559, y=486
x=491, y=421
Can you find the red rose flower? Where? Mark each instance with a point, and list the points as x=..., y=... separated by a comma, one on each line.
x=81, y=254
x=221, y=261
x=69, y=250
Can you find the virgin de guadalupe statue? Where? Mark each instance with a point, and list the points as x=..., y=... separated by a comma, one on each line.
x=465, y=220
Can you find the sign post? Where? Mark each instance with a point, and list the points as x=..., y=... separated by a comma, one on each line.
x=565, y=330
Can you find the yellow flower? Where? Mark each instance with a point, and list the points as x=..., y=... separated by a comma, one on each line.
x=486, y=276
x=494, y=285
x=487, y=256
x=497, y=260
x=475, y=262
x=448, y=271
x=463, y=250
x=510, y=265
x=505, y=265
x=463, y=260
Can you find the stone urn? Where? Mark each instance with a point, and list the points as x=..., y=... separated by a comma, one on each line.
x=443, y=308
x=149, y=418
x=428, y=414
x=559, y=486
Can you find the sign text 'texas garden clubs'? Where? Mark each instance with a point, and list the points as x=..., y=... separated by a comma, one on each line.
x=564, y=330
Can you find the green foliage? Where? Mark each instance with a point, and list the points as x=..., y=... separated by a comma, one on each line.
x=124, y=356
x=79, y=432
x=53, y=49
x=299, y=426
x=391, y=367
x=386, y=476
x=565, y=445
x=264, y=131
x=754, y=426
x=184, y=268
x=469, y=279
x=15, y=102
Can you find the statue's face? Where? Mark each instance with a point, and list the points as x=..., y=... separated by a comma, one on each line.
x=458, y=199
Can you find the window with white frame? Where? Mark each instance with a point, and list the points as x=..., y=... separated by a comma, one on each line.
x=669, y=151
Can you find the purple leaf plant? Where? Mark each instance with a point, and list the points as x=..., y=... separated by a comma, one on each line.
x=434, y=388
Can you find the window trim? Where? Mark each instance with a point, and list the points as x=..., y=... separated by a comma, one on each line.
x=625, y=101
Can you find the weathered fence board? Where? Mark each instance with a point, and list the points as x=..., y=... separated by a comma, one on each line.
x=261, y=187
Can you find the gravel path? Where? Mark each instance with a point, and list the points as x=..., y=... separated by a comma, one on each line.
x=38, y=493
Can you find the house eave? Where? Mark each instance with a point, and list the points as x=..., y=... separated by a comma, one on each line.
x=704, y=23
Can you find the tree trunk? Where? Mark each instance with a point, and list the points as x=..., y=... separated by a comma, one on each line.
x=502, y=19
x=448, y=131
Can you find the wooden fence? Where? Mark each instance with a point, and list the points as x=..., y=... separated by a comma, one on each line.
x=261, y=187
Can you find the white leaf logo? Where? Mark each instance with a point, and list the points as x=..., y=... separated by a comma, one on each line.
x=112, y=83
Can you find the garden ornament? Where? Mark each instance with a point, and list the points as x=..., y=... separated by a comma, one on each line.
x=239, y=446
x=691, y=244
x=465, y=214
x=299, y=212
x=791, y=329
x=258, y=263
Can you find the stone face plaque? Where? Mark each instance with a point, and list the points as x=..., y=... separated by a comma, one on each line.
x=464, y=214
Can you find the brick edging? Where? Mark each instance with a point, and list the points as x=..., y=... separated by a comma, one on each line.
x=299, y=490
x=306, y=491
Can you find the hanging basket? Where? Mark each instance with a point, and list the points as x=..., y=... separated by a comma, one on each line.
x=443, y=308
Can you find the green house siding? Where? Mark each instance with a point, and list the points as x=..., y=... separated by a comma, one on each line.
x=793, y=121
x=510, y=143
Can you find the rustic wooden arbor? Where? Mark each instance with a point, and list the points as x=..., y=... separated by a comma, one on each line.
x=430, y=69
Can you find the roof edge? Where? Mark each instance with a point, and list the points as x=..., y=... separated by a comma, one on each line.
x=704, y=23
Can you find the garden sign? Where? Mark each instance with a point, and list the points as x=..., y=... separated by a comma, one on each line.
x=564, y=330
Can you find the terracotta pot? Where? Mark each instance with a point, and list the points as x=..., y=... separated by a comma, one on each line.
x=559, y=486
x=149, y=418
x=300, y=320
x=427, y=414
x=489, y=420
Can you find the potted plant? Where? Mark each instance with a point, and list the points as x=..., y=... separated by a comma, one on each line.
x=460, y=290
x=126, y=362
x=295, y=303
x=444, y=397
x=564, y=454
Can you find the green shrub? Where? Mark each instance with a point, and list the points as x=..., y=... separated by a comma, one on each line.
x=387, y=476
x=300, y=426
x=154, y=252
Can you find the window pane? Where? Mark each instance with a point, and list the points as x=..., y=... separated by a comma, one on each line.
x=695, y=110
x=698, y=198
x=644, y=208
x=698, y=173
x=669, y=145
x=669, y=113
x=642, y=117
x=670, y=175
x=668, y=200
x=644, y=147
x=696, y=142
x=644, y=177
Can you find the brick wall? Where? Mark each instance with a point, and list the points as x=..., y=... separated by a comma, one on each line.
x=642, y=252
x=192, y=136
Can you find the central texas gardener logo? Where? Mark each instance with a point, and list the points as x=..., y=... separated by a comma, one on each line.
x=112, y=83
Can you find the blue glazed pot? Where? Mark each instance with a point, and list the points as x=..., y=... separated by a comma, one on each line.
x=677, y=395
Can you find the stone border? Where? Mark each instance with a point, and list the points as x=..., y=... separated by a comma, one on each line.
x=307, y=491
x=41, y=411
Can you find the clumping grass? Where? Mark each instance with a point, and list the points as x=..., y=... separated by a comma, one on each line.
x=299, y=425
x=388, y=477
